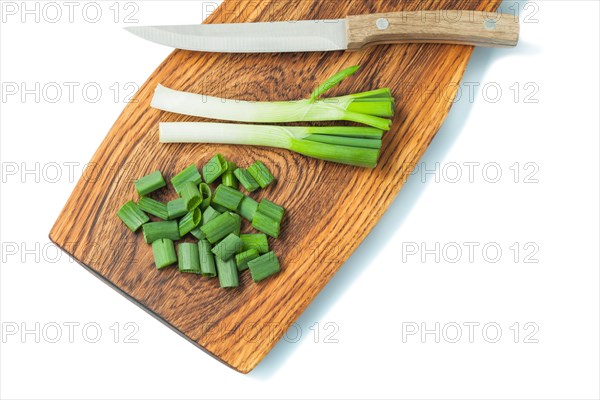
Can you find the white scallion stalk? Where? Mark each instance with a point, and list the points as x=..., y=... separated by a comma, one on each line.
x=215, y=133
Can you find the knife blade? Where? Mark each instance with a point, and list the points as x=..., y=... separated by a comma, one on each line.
x=352, y=33
x=258, y=37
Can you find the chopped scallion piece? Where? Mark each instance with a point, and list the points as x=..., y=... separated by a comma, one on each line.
x=190, y=221
x=176, y=209
x=271, y=210
x=256, y=241
x=189, y=258
x=190, y=174
x=214, y=168
x=150, y=183
x=206, y=193
x=207, y=259
x=261, y=174
x=191, y=195
x=247, y=208
x=228, y=273
x=160, y=230
x=264, y=266
x=219, y=208
x=220, y=227
x=207, y=215
x=266, y=224
x=238, y=223
x=228, y=197
x=154, y=207
x=228, y=247
x=228, y=178
x=247, y=181
x=164, y=253
x=242, y=259
x=132, y=216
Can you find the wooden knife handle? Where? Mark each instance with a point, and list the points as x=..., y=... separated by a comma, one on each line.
x=439, y=26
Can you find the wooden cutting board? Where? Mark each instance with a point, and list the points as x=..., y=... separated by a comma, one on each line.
x=331, y=208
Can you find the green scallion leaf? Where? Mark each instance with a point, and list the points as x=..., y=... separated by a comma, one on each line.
x=214, y=168
x=189, y=258
x=219, y=227
x=378, y=107
x=150, y=183
x=264, y=266
x=266, y=224
x=228, y=197
x=190, y=174
x=332, y=82
x=190, y=221
x=160, y=230
x=228, y=273
x=247, y=181
x=271, y=210
x=154, y=207
x=241, y=259
x=176, y=209
x=164, y=253
x=207, y=259
x=257, y=241
x=228, y=247
x=360, y=132
x=190, y=193
x=132, y=216
x=247, y=208
x=261, y=174
x=346, y=141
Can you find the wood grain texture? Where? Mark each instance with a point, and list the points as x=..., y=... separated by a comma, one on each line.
x=325, y=222
x=475, y=28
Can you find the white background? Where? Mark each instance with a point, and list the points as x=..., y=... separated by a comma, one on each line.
x=551, y=209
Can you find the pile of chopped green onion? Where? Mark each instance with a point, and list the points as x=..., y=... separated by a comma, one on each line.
x=213, y=218
x=353, y=145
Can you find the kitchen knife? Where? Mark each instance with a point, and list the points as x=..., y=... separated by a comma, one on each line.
x=352, y=33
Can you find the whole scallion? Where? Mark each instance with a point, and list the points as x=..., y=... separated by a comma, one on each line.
x=357, y=107
x=294, y=138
